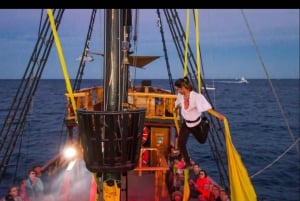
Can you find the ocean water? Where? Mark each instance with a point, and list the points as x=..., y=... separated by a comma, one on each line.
x=258, y=123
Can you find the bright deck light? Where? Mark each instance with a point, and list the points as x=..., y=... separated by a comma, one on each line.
x=70, y=152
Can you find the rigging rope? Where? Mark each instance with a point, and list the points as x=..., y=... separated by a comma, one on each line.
x=41, y=19
x=270, y=82
x=85, y=52
x=187, y=28
x=62, y=60
x=198, y=50
x=135, y=46
x=160, y=26
x=277, y=159
x=16, y=118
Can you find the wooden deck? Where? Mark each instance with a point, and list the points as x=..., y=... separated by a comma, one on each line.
x=142, y=188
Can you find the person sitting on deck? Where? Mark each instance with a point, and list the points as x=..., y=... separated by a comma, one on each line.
x=224, y=196
x=193, y=176
x=203, y=184
x=12, y=194
x=22, y=190
x=38, y=170
x=180, y=166
x=177, y=195
x=34, y=186
x=216, y=193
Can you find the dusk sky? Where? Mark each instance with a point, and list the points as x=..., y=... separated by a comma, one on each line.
x=226, y=46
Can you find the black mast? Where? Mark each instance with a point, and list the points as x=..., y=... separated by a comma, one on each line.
x=111, y=137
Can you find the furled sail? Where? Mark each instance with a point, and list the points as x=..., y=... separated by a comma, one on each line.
x=240, y=184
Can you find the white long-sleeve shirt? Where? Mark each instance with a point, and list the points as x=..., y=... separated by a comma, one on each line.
x=197, y=105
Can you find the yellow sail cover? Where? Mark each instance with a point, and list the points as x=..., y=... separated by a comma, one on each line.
x=111, y=193
x=240, y=184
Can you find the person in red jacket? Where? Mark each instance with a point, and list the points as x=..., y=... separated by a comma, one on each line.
x=203, y=184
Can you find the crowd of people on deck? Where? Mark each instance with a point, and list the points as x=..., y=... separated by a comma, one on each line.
x=31, y=188
x=201, y=186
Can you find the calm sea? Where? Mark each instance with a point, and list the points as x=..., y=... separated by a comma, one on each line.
x=257, y=124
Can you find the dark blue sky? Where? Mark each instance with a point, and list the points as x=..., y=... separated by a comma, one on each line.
x=226, y=46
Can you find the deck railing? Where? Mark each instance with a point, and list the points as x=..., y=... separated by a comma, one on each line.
x=159, y=104
x=159, y=166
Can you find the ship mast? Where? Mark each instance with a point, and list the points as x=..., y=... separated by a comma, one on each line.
x=111, y=137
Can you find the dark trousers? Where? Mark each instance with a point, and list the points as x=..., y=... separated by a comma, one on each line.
x=182, y=140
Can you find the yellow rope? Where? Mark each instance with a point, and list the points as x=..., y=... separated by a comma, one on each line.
x=64, y=69
x=186, y=187
x=185, y=68
x=186, y=191
x=187, y=25
x=62, y=60
x=176, y=126
x=198, y=50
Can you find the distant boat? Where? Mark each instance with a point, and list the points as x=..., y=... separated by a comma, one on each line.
x=210, y=88
x=243, y=80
